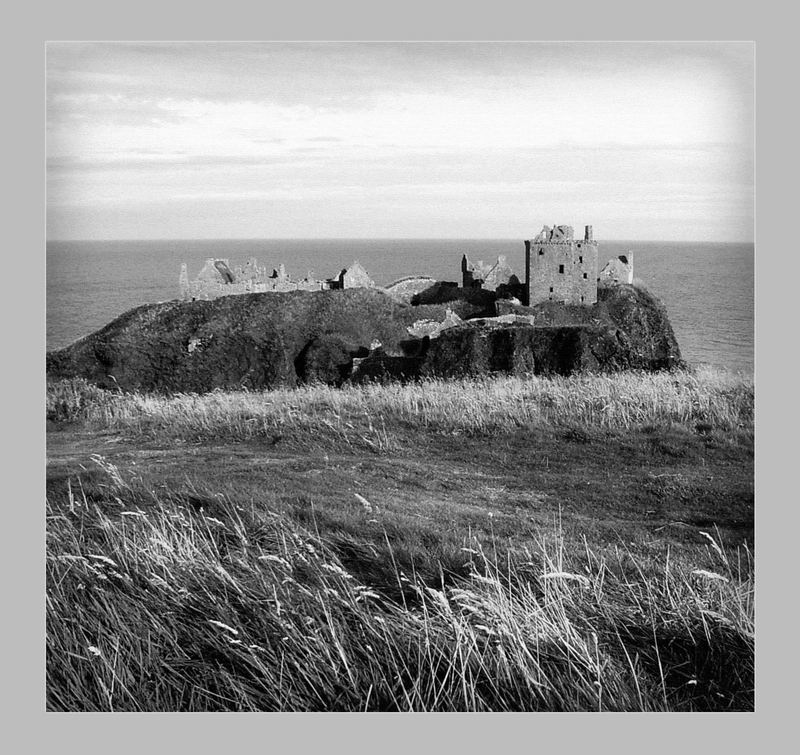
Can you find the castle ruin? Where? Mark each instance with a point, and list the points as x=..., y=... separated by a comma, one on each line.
x=218, y=279
x=619, y=270
x=487, y=276
x=560, y=268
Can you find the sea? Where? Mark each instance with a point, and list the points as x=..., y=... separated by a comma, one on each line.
x=707, y=288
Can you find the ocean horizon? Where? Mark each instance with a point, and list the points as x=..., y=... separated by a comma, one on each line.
x=707, y=287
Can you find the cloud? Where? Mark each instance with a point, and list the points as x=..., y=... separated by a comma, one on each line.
x=506, y=124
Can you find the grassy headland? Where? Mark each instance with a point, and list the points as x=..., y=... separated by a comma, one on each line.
x=577, y=543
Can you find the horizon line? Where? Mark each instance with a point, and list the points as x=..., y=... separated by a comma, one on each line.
x=383, y=238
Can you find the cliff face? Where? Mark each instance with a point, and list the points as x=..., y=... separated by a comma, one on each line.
x=645, y=335
x=626, y=329
x=252, y=340
x=260, y=341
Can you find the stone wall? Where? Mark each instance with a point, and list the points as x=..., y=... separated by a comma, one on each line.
x=485, y=275
x=217, y=278
x=561, y=268
x=405, y=289
x=616, y=271
x=355, y=277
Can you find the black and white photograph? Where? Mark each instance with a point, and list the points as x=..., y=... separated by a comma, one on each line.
x=390, y=376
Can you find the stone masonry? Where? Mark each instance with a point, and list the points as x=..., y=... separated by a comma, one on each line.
x=485, y=275
x=619, y=270
x=560, y=268
x=218, y=279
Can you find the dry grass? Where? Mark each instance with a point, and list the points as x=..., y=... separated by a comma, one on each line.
x=158, y=602
x=152, y=605
x=706, y=397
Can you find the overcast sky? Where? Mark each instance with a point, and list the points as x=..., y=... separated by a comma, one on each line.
x=431, y=140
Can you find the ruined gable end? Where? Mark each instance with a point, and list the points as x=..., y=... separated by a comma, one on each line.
x=500, y=275
x=218, y=279
x=356, y=276
x=484, y=275
x=617, y=270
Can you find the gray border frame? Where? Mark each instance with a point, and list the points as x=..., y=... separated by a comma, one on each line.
x=33, y=730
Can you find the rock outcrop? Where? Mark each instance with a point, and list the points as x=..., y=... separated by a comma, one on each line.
x=626, y=329
x=433, y=328
x=258, y=341
x=247, y=340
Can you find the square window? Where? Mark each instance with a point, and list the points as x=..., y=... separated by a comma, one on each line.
x=560, y=268
x=551, y=289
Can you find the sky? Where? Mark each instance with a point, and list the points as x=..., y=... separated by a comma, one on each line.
x=399, y=140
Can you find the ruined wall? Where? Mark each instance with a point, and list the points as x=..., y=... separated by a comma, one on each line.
x=561, y=268
x=355, y=277
x=485, y=275
x=217, y=278
x=405, y=289
x=183, y=283
x=617, y=270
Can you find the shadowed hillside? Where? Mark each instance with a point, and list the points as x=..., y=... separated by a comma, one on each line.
x=260, y=341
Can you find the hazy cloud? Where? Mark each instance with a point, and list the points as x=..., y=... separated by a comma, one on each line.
x=421, y=131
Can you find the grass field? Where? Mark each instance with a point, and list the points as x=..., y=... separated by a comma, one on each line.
x=579, y=543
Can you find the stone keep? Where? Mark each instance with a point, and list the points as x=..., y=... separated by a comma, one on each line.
x=560, y=268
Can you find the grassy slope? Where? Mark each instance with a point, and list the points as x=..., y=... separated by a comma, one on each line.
x=614, y=479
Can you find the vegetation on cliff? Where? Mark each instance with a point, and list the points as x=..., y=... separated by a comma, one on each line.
x=258, y=341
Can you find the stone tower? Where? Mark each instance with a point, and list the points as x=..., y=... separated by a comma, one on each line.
x=559, y=268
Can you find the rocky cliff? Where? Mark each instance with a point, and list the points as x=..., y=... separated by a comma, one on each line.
x=259, y=341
